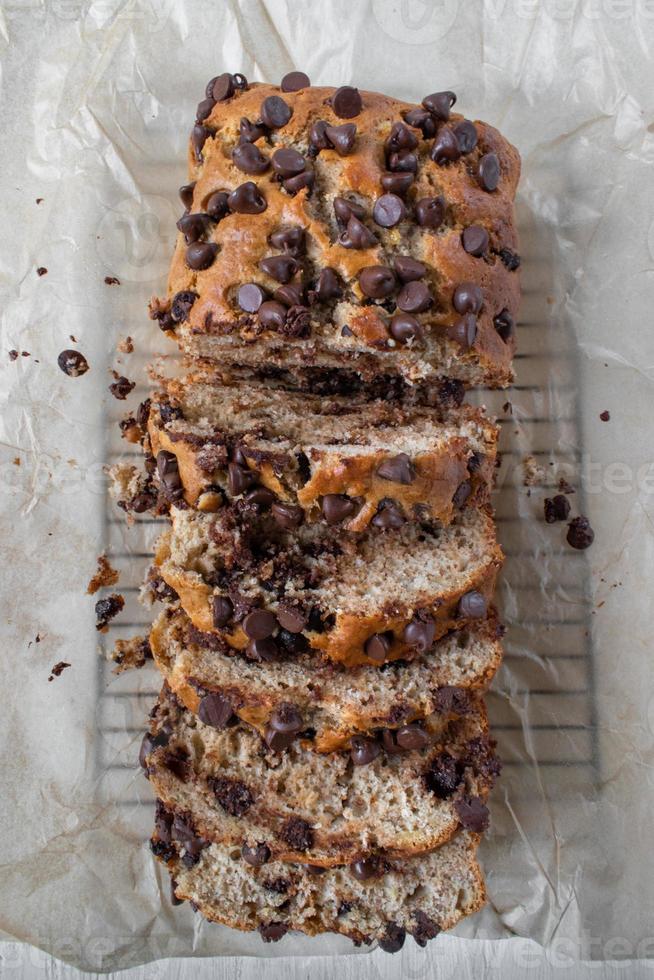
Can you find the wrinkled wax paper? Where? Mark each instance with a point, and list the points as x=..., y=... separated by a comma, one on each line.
x=98, y=99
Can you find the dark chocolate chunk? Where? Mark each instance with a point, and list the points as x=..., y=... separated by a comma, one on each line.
x=389, y=210
x=168, y=470
x=181, y=305
x=223, y=610
x=510, y=259
x=336, y=507
x=346, y=102
x=472, y=605
x=256, y=856
x=73, y=363
x=363, y=750
x=272, y=932
x=580, y=534
x=247, y=199
x=425, y=928
x=215, y=710
x=377, y=281
x=397, y=469
x=472, y=813
x=430, y=211
x=232, y=795
x=249, y=158
x=294, y=81
x=474, y=239
x=556, y=508
x=488, y=172
x=275, y=112
x=122, y=387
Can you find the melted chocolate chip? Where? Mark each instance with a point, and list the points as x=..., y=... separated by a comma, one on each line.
x=199, y=136
x=239, y=479
x=181, y=306
x=393, y=940
x=256, y=856
x=366, y=868
x=377, y=647
x=232, y=795
x=420, y=633
x=397, y=469
x=504, y=324
x=286, y=719
x=168, y=470
x=272, y=932
x=509, y=259
x=425, y=928
x=443, y=775
x=297, y=833
x=412, y=738
x=363, y=751
x=275, y=112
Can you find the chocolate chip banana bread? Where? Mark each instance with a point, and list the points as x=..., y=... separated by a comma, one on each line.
x=315, y=808
x=305, y=457
x=371, y=900
x=358, y=599
x=403, y=704
x=337, y=232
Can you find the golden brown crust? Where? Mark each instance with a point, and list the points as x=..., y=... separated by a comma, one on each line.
x=218, y=328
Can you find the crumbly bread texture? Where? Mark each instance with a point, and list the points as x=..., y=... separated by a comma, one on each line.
x=359, y=599
x=333, y=703
x=314, y=808
x=391, y=463
x=420, y=896
x=375, y=238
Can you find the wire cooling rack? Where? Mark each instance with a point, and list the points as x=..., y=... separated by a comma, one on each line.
x=542, y=705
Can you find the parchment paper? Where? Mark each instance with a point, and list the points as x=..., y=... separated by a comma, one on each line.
x=97, y=103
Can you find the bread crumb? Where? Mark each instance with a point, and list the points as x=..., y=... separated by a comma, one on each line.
x=533, y=472
x=130, y=654
x=104, y=576
x=126, y=345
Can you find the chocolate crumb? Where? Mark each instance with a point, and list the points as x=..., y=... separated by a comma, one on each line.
x=58, y=670
x=39, y=200
x=41, y=271
x=104, y=576
x=580, y=533
x=556, y=508
x=13, y=355
x=565, y=487
x=605, y=415
x=121, y=387
x=106, y=609
x=112, y=280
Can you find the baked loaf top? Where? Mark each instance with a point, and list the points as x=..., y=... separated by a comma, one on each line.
x=359, y=599
x=310, y=458
x=330, y=228
x=314, y=808
x=406, y=704
x=420, y=896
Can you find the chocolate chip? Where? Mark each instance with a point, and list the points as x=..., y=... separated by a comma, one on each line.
x=318, y=135
x=297, y=833
x=215, y=710
x=405, y=328
x=272, y=932
x=472, y=813
x=389, y=210
x=72, y=363
x=259, y=624
x=425, y=928
x=472, y=605
x=439, y=104
x=580, y=534
x=467, y=298
x=377, y=647
x=461, y=494
x=327, y=287
x=295, y=184
x=342, y=138
x=400, y=138
x=249, y=158
x=250, y=296
x=239, y=479
x=289, y=239
x=430, y=211
x=263, y=650
x=345, y=208
x=186, y=195
x=443, y=775
x=422, y=119
x=397, y=469
x=256, y=856
x=414, y=298
x=168, y=470
x=272, y=315
x=420, y=633
x=504, y=324
x=445, y=148
x=201, y=255
x=232, y=795
x=314, y=869
x=412, y=737
x=393, y=940
x=217, y=205
x=287, y=162
x=556, y=508
x=389, y=516
x=366, y=868
x=286, y=719
x=251, y=132
x=346, y=102
x=466, y=135
x=402, y=161
x=509, y=259
x=223, y=610
x=464, y=331
x=363, y=750
x=357, y=235
x=199, y=136
x=221, y=88
x=106, y=609
x=289, y=295
x=605, y=416
x=291, y=618
x=474, y=239
x=275, y=113
x=377, y=281
x=294, y=81
x=240, y=81
x=408, y=269
x=280, y=267
x=194, y=226
x=204, y=109
x=336, y=507
x=488, y=172
x=247, y=199
x=397, y=183
x=181, y=305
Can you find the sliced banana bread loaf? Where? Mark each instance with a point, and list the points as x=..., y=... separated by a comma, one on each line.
x=381, y=900
x=315, y=808
x=360, y=599
x=404, y=702
x=305, y=455
x=331, y=229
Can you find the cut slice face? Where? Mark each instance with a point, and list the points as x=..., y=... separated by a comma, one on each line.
x=403, y=702
x=315, y=808
x=358, y=599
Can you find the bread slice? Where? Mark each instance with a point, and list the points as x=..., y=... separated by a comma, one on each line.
x=419, y=896
x=394, y=463
x=349, y=328
x=315, y=808
x=359, y=599
x=334, y=704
